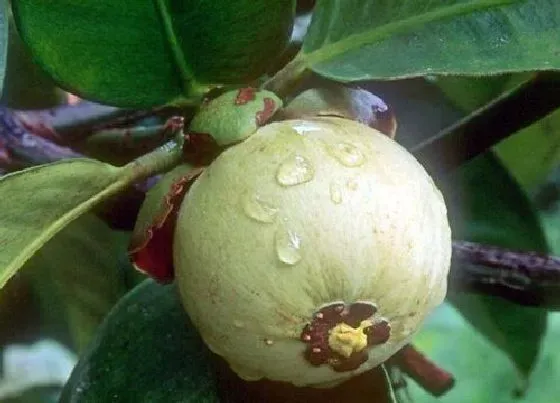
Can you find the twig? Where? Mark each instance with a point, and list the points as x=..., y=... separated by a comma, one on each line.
x=425, y=373
x=119, y=146
x=63, y=121
x=23, y=148
x=289, y=78
x=525, y=278
x=474, y=134
x=69, y=124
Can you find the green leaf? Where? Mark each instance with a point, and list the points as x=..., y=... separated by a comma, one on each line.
x=491, y=208
x=145, y=351
x=482, y=372
x=3, y=39
x=148, y=351
x=82, y=270
x=470, y=93
x=531, y=154
x=352, y=40
x=26, y=85
x=44, y=199
x=145, y=53
x=41, y=200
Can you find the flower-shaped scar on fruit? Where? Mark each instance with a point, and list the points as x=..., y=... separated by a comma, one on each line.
x=311, y=251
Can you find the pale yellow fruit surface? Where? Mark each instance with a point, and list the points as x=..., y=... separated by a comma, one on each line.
x=302, y=214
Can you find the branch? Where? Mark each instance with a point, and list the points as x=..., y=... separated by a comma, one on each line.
x=20, y=148
x=487, y=126
x=525, y=278
x=69, y=124
x=425, y=373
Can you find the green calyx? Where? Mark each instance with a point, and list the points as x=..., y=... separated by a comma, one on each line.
x=235, y=115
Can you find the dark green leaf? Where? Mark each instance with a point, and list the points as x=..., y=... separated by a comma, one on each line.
x=359, y=39
x=26, y=86
x=491, y=208
x=3, y=39
x=145, y=351
x=80, y=269
x=36, y=395
x=145, y=53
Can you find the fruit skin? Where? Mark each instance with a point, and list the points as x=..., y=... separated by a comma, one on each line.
x=374, y=230
x=235, y=115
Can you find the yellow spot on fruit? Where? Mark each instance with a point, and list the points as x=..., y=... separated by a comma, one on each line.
x=346, y=340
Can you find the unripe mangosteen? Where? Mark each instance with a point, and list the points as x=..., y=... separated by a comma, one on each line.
x=312, y=251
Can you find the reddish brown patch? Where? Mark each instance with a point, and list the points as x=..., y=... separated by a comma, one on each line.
x=268, y=110
x=427, y=374
x=174, y=123
x=200, y=149
x=316, y=334
x=385, y=122
x=154, y=254
x=245, y=95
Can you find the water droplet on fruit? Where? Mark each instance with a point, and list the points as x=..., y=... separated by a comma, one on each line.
x=347, y=154
x=304, y=127
x=294, y=171
x=288, y=245
x=336, y=193
x=238, y=324
x=258, y=209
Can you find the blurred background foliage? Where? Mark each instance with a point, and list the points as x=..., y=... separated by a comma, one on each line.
x=497, y=351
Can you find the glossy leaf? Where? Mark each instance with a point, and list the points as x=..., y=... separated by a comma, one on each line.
x=146, y=350
x=3, y=39
x=359, y=39
x=26, y=85
x=145, y=53
x=80, y=270
x=486, y=205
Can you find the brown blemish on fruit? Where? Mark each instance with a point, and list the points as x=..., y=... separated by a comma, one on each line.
x=268, y=110
x=245, y=95
x=357, y=316
x=200, y=149
x=152, y=254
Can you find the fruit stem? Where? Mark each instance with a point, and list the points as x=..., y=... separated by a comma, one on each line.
x=286, y=81
x=163, y=158
x=424, y=372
